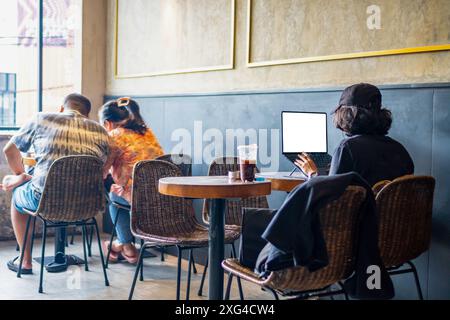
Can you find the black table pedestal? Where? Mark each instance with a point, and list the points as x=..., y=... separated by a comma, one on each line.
x=216, y=248
x=60, y=261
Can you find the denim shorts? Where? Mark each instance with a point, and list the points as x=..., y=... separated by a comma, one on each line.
x=25, y=197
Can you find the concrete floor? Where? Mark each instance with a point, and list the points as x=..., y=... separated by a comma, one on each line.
x=77, y=284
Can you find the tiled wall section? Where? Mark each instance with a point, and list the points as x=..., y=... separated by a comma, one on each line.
x=421, y=122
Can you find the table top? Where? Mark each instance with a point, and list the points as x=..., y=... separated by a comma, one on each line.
x=281, y=181
x=29, y=161
x=212, y=187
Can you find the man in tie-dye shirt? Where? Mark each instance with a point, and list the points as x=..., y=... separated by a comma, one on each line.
x=50, y=136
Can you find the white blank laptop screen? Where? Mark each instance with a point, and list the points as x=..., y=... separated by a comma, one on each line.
x=304, y=132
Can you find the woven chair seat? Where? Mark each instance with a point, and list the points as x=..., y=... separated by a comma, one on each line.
x=233, y=266
x=196, y=238
x=233, y=227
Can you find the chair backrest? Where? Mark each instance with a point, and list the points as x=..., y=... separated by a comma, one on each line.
x=153, y=213
x=339, y=221
x=73, y=190
x=405, y=207
x=233, y=215
x=182, y=161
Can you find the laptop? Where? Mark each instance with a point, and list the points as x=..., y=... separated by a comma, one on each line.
x=306, y=132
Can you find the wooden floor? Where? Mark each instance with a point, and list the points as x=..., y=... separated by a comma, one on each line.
x=77, y=284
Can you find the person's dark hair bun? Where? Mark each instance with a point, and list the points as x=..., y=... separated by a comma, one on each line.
x=128, y=117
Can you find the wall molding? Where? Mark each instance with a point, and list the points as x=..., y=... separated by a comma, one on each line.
x=228, y=66
x=404, y=86
x=344, y=56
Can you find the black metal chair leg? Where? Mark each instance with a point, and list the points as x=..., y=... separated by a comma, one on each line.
x=44, y=239
x=228, y=289
x=162, y=254
x=194, y=268
x=113, y=233
x=24, y=247
x=141, y=272
x=139, y=266
x=188, y=287
x=180, y=252
x=102, y=258
x=74, y=230
x=239, y=283
x=416, y=278
x=275, y=295
x=32, y=237
x=89, y=242
x=84, y=232
x=202, y=282
x=343, y=289
x=241, y=291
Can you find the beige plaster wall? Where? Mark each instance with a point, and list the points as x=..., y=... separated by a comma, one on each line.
x=93, y=64
x=281, y=29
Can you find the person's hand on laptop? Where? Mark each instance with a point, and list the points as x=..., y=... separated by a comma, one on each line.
x=306, y=165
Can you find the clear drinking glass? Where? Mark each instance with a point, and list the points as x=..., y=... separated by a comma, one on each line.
x=247, y=162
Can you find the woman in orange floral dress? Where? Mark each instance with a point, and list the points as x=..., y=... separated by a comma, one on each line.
x=131, y=141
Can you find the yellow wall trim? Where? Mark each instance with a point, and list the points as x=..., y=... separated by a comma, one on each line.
x=344, y=56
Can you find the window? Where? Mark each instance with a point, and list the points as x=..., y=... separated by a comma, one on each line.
x=62, y=51
x=18, y=61
x=19, y=39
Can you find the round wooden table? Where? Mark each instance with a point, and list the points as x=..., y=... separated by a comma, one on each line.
x=282, y=181
x=218, y=189
x=29, y=161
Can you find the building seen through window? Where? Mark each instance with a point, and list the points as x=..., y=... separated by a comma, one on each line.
x=19, y=27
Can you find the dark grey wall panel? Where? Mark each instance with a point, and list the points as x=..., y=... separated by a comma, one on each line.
x=421, y=122
x=439, y=266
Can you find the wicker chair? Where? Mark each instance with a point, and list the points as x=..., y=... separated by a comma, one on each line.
x=184, y=163
x=73, y=195
x=339, y=220
x=233, y=213
x=405, y=207
x=164, y=221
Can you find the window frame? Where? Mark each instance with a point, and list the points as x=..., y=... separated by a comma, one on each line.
x=40, y=50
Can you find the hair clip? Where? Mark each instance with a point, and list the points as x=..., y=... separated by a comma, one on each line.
x=123, y=102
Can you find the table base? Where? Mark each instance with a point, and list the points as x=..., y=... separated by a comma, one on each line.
x=59, y=263
x=216, y=248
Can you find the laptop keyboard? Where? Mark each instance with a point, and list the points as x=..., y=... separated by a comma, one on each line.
x=322, y=160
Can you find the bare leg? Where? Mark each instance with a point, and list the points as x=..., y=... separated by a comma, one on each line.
x=19, y=222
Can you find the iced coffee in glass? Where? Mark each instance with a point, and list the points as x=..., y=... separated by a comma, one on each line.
x=247, y=162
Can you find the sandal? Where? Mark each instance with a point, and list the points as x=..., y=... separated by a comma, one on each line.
x=15, y=267
x=130, y=259
x=114, y=255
